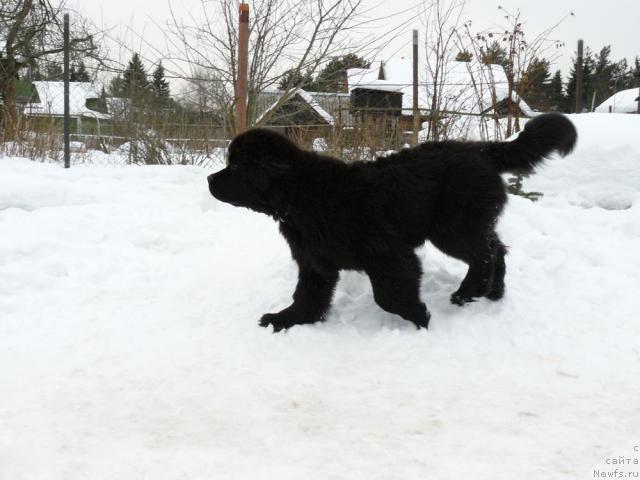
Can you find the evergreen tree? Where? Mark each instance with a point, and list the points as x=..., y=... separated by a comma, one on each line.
x=556, y=98
x=333, y=77
x=294, y=78
x=495, y=54
x=588, y=67
x=160, y=86
x=464, y=56
x=53, y=73
x=622, y=76
x=135, y=84
x=79, y=73
x=116, y=87
x=533, y=85
x=603, y=80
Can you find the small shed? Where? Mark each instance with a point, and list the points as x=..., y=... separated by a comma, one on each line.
x=300, y=116
x=377, y=99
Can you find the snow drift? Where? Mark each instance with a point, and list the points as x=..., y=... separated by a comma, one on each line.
x=129, y=345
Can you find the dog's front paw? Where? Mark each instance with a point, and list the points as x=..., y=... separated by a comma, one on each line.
x=460, y=299
x=276, y=321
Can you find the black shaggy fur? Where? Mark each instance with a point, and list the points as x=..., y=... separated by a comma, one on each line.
x=371, y=216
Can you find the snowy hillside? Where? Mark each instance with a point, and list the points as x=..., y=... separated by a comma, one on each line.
x=129, y=344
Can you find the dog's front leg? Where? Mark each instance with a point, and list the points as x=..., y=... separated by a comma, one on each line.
x=311, y=300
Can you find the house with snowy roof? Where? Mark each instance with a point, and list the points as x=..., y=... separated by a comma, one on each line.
x=88, y=113
x=624, y=101
x=303, y=114
x=462, y=88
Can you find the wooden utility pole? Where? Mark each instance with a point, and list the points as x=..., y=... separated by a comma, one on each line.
x=579, y=77
x=67, y=119
x=416, y=110
x=241, y=83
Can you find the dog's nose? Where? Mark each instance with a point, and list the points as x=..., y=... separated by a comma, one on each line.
x=210, y=178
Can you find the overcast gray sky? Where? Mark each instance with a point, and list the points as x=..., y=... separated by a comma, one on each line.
x=598, y=22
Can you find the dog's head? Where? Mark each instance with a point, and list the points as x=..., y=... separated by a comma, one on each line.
x=258, y=164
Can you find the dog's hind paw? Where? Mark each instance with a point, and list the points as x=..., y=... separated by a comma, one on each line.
x=422, y=324
x=496, y=294
x=422, y=320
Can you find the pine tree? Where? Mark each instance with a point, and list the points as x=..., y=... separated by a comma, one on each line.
x=495, y=54
x=464, y=56
x=533, y=85
x=294, y=78
x=116, y=86
x=79, y=73
x=333, y=77
x=135, y=84
x=557, y=100
x=603, y=76
x=622, y=77
x=53, y=73
x=588, y=67
x=160, y=86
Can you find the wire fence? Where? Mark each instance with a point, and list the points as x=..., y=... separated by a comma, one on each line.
x=141, y=128
x=145, y=134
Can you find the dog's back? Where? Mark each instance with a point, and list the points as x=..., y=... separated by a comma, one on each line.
x=453, y=186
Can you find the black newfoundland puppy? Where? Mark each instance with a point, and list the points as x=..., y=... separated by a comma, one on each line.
x=371, y=216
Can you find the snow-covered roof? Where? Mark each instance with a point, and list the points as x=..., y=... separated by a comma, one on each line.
x=361, y=76
x=308, y=99
x=51, y=95
x=465, y=86
x=315, y=106
x=625, y=101
x=384, y=85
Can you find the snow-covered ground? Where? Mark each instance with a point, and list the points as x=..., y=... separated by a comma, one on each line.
x=129, y=345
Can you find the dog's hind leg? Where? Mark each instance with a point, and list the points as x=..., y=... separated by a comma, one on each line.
x=311, y=300
x=499, y=270
x=396, y=287
x=480, y=253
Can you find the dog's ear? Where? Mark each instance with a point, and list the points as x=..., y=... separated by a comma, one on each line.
x=278, y=164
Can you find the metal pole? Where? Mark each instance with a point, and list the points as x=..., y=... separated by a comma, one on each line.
x=579, y=77
x=416, y=111
x=67, y=123
x=638, y=77
x=243, y=54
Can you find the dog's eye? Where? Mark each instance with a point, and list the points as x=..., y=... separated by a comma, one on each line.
x=232, y=167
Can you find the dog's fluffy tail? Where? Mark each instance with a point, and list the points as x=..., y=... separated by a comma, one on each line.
x=542, y=135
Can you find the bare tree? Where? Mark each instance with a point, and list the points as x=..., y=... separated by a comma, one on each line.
x=441, y=20
x=285, y=36
x=520, y=51
x=31, y=30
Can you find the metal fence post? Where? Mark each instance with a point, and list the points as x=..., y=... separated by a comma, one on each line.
x=416, y=111
x=67, y=119
x=579, y=77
